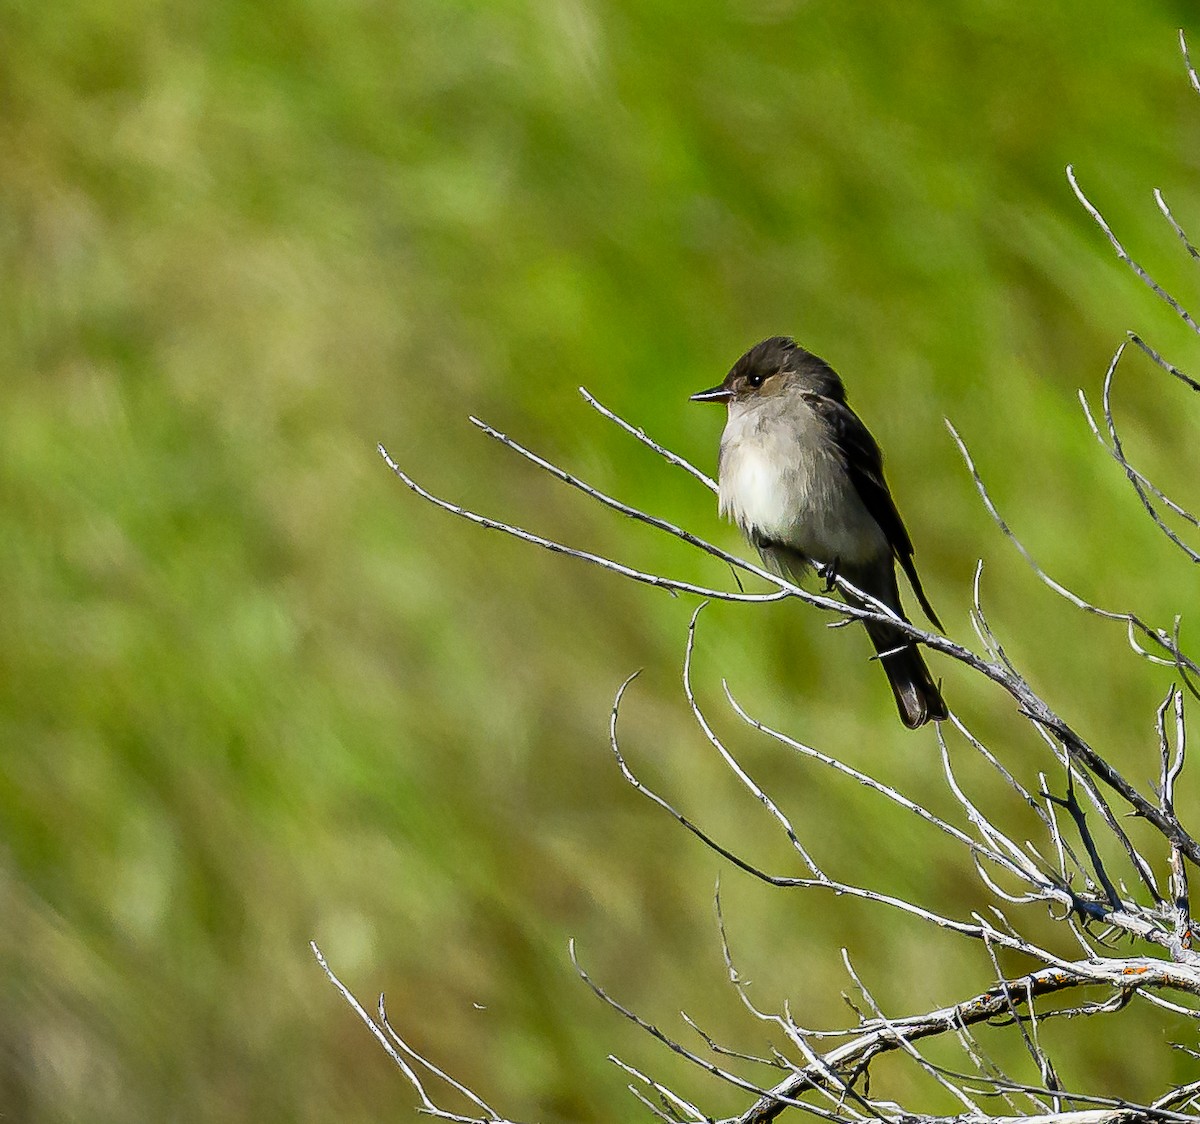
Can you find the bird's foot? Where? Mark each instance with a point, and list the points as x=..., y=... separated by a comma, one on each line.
x=828, y=573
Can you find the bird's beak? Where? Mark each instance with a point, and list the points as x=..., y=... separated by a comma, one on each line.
x=718, y=394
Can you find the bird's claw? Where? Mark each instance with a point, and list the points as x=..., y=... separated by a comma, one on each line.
x=828, y=573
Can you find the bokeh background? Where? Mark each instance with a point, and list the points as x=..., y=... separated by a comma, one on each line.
x=254, y=692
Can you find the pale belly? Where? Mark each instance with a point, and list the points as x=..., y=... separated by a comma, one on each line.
x=806, y=502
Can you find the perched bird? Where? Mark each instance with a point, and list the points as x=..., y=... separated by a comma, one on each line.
x=803, y=478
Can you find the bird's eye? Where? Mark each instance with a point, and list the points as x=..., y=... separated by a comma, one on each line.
x=754, y=381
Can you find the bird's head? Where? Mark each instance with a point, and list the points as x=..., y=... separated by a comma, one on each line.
x=773, y=367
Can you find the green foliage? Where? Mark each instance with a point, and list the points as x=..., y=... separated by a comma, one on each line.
x=254, y=692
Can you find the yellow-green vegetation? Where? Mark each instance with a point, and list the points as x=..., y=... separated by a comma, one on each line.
x=255, y=692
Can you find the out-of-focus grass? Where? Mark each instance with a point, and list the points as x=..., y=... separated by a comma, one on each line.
x=254, y=692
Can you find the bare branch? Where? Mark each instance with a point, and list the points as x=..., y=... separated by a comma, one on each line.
x=870, y=782
x=614, y=504
x=1178, y=1095
x=905, y=1043
x=656, y=580
x=1187, y=59
x=1039, y=713
x=677, y=1048
x=490, y=1117
x=1158, y=360
x=640, y=434
x=666, y=806
x=1172, y=767
x=1154, y=286
x=878, y=1039
x=1193, y=253
x=729, y=759
x=666, y=1094
x=1141, y=485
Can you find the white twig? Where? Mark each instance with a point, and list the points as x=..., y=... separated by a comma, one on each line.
x=1123, y=254
x=640, y=434
x=1159, y=361
x=604, y=563
x=1143, y=487
x=731, y=761
x=1187, y=61
x=394, y=1053
x=1122, y=974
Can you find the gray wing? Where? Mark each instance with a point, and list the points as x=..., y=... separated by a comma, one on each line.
x=864, y=465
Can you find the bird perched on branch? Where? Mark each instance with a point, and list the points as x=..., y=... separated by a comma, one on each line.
x=802, y=478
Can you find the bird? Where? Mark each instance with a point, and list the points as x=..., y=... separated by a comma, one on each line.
x=802, y=477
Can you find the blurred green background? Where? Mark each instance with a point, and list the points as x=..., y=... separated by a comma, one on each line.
x=255, y=692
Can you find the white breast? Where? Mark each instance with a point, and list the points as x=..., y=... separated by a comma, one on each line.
x=782, y=478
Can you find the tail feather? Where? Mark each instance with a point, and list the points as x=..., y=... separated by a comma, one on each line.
x=917, y=696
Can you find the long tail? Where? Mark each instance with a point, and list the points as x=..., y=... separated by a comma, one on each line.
x=917, y=696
